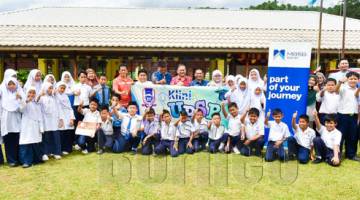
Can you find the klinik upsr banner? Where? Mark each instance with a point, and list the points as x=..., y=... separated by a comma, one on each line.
x=288, y=74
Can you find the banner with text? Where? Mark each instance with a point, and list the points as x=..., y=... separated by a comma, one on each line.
x=288, y=74
x=177, y=98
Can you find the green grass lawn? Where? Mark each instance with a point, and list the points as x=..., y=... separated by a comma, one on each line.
x=199, y=176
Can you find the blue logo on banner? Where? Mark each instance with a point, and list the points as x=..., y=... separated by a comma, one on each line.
x=279, y=53
x=148, y=97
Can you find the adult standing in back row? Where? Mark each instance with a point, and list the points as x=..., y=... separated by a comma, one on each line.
x=181, y=79
x=122, y=86
x=161, y=76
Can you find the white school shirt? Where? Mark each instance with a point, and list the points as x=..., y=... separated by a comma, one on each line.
x=304, y=138
x=51, y=112
x=348, y=103
x=90, y=116
x=234, y=125
x=201, y=126
x=215, y=132
x=134, y=126
x=330, y=138
x=278, y=131
x=66, y=111
x=107, y=127
x=150, y=127
x=184, y=129
x=31, y=123
x=85, y=92
x=252, y=129
x=12, y=120
x=338, y=75
x=168, y=131
x=329, y=102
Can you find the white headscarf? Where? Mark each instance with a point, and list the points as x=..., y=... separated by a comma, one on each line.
x=8, y=98
x=70, y=84
x=45, y=86
x=257, y=100
x=252, y=84
x=8, y=73
x=31, y=81
x=216, y=83
x=63, y=99
x=237, y=79
x=47, y=77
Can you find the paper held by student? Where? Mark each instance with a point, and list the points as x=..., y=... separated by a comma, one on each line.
x=86, y=129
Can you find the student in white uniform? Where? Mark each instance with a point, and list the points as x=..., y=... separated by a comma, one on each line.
x=168, y=134
x=278, y=133
x=217, y=135
x=34, y=80
x=301, y=145
x=105, y=133
x=258, y=100
x=329, y=99
x=83, y=93
x=348, y=114
x=131, y=123
x=143, y=78
x=67, y=132
x=11, y=97
x=151, y=132
x=7, y=74
x=234, y=128
x=327, y=147
x=252, y=136
x=201, y=131
x=91, y=114
x=31, y=130
x=53, y=119
x=255, y=81
x=69, y=81
x=51, y=79
x=243, y=96
x=184, y=134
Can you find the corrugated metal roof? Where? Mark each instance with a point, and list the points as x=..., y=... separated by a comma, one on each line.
x=169, y=28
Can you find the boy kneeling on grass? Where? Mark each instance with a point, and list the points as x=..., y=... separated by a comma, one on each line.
x=300, y=145
x=327, y=147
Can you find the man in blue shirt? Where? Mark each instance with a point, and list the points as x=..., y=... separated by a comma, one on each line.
x=103, y=92
x=199, y=78
x=162, y=76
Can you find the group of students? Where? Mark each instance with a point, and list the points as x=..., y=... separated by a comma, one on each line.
x=48, y=112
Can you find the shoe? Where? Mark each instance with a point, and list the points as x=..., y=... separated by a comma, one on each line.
x=133, y=151
x=101, y=151
x=26, y=166
x=12, y=164
x=221, y=147
x=317, y=161
x=77, y=147
x=45, y=158
x=292, y=157
x=85, y=151
x=355, y=158
x=236, y=150
x=65, y=153
x=57, y=157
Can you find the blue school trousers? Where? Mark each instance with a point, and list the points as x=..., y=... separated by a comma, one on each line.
x=31, y=153
x=149, y=146
x=247, y=150
x=201, y=141
x=302, y=153
x=323, y=152
x=51, y=143
x=67, y=140
x=183, y=148
x=165, y=145
x=347, y=125
x=104, y=141
x=1, y=156
x=214, y=144
x=234, y=141
x=126, y=143
x=11, y=143
x=272, y=153
x=86, y=142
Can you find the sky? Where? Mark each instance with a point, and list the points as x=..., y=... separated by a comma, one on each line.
x=9, y=5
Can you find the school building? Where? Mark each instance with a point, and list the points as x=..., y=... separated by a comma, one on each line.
x=55, y=39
